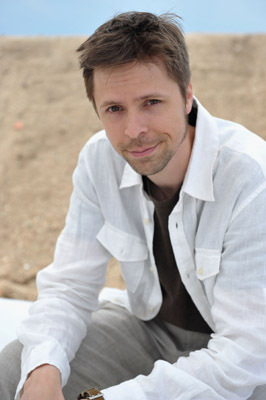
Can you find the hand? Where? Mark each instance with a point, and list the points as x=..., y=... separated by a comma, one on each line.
x=43, y=383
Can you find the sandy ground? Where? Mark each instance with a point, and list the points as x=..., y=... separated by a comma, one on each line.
x=45, y=119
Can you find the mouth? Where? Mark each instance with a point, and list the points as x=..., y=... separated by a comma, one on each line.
x=139, y=153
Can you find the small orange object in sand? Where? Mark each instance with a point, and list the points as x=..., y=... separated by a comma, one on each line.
x=18, y=125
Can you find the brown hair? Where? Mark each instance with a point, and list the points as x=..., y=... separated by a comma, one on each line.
x=138, y=36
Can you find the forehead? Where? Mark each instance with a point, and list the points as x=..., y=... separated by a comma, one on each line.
x=131, y=77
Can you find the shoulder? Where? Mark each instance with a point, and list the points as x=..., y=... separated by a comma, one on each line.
x=99, y=159
x=97, y=142
x=240, y=168
x=239, y=146
x=98, y=149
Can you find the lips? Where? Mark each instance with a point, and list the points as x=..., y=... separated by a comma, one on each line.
x=139, y=153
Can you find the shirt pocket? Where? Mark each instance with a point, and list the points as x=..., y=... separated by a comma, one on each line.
x=128, y=249
x=207, y=263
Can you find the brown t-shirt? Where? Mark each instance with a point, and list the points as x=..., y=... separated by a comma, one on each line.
x=177, y=308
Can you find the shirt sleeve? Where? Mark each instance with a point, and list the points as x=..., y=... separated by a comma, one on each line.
x=68, y=288
x=234, y=362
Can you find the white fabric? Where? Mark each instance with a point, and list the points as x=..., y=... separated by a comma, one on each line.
x=12, y=312
x=218, y=233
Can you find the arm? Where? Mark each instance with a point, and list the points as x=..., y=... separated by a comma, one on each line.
x=36, y=384
x=68, y=289
x=233, y=363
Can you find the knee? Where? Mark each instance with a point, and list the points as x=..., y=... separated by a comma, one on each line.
x=10, y=369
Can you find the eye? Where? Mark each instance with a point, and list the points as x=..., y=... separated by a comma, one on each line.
x=113, y=109
x=153, y=101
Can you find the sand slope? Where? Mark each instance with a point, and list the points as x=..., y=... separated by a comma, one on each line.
x=45, y=119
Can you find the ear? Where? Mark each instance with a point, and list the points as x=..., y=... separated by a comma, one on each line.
x=189, y=98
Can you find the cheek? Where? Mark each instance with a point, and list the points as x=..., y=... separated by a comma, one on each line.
x=112, y=128
x=114, y=136
x=112, y=122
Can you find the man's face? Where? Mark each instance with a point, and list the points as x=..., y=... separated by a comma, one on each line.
x=143, y=113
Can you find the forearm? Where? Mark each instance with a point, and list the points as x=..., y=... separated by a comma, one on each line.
x=44, y=382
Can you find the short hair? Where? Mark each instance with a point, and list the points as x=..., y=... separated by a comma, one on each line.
x=141, y=37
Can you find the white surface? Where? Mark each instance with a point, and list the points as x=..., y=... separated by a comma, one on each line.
x=12, y=312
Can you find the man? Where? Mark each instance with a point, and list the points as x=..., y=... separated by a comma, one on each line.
x=179, y=198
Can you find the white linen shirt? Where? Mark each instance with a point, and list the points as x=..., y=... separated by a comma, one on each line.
x=218, y=233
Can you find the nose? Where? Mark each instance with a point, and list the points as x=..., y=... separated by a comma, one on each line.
x=135, y=125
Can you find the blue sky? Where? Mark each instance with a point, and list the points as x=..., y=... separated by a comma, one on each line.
x=81, y=17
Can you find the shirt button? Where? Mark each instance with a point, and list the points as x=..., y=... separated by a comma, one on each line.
x=200, y=271
x=151, y=309
x=151, y=268
x=146, y=221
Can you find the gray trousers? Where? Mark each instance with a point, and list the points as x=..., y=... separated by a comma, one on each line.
x=118, y=347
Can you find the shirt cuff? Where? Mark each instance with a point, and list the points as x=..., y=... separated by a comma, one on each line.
x=47, y=353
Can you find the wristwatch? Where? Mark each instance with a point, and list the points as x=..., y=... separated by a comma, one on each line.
x=91, y=394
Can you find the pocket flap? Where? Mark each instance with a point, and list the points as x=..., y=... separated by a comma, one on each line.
x=207, y=263
x=123, y=246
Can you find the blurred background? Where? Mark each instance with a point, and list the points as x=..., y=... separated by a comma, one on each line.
x=45, y=117
x=81, y=17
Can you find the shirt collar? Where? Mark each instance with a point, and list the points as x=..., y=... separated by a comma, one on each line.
x=130, y=177
x=198, y=181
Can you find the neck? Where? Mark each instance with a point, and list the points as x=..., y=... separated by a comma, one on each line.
x=162, y=194
x=169, y=180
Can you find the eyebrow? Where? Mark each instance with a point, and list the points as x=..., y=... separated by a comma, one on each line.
x=109, y=103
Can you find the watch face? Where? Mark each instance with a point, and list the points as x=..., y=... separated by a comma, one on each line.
x=90, y=394
x=83, y=395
